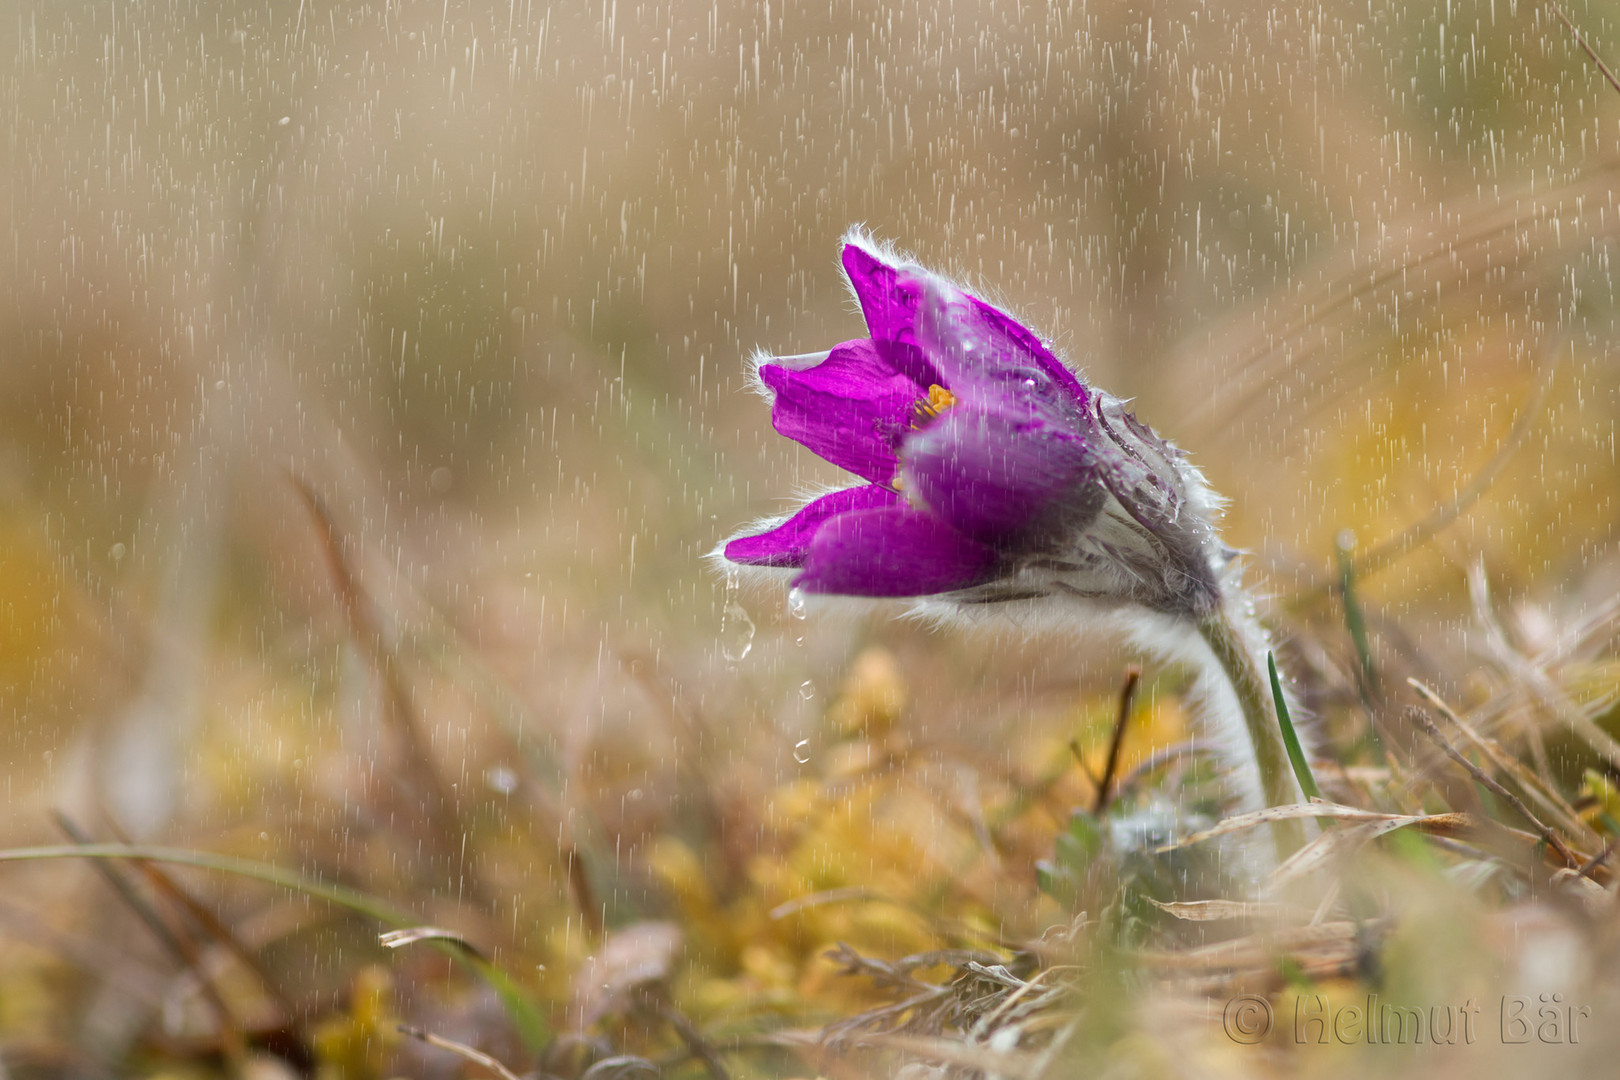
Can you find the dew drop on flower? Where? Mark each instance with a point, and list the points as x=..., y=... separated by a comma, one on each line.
x=801, y=751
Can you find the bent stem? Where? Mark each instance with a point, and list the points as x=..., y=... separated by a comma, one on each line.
x=1242, y=668
x=525, y=1014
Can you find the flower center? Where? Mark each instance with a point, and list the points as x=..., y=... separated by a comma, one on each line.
x=939, y=399
x=927, y=411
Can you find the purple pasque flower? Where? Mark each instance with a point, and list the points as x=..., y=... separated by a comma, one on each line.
x=990, y=472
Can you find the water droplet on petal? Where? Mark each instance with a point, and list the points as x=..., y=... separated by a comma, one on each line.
x=801, y=751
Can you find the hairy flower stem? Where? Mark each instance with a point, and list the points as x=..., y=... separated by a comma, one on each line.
x=1235, y=652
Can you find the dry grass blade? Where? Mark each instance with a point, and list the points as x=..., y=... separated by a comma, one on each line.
x=1260, y=951
x=1536, y=683
x=173, y=940
x=700, y=1047
x=1580, y=39
x=1342, y=842
x=1291, y=812
x=395, y=939
x=525, y=1017
x=209, y=923
x=1218, y=910
x=437, y=810
x=1527, y=780
x=1553, y=840
x=461, y=1050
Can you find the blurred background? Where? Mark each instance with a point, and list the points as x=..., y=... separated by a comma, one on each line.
x=371, y=389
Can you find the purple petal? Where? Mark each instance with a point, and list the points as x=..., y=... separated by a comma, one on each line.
x=787, y=543
x=1005, y=480
x=898, y=551
x=853, y=408
x=893, y=297
x=986, y=356
x=888, y=302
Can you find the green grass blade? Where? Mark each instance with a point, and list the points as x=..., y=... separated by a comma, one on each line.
x=524, y=1013
x=1356, y=623
x=1296, y=754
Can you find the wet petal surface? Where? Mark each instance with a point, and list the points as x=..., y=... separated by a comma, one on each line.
x=787, y=544
x=852, y=409
x=897, y=551
x=1003, y=479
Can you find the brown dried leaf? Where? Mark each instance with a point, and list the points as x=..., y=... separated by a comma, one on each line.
x=629, y=959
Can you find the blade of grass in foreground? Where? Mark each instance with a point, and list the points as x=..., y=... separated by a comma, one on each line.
x=1296, y=754
x=525, y=1015
x=1355, y=622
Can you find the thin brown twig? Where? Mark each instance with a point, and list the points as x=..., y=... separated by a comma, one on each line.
x=180, y=947
x=1580, y=40
x=436, y=807
x=461, y=1050
x=1597, y=860
x=1127, y=701
x=207, y=921
x=1525, y=778
x=694, y=1040
x=1432, y=730
x=1079, y=756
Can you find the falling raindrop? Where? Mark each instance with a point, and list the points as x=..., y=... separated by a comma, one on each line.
x=796, y=603
x=801, y=751
x=807, y=690
x=736, y=632
x=736, y=626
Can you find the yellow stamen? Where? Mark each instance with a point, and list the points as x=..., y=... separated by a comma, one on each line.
x=939, y=399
